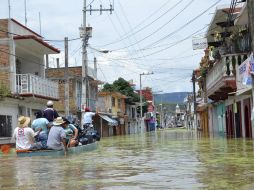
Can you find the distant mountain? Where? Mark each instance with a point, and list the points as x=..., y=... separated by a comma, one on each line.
x=174, y=97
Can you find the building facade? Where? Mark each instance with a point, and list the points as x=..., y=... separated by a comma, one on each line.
x=22, y=75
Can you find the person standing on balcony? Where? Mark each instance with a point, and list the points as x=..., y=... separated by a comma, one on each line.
x=50, y=113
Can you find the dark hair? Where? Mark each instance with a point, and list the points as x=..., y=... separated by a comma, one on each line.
x=38, y=114
x=66, y=120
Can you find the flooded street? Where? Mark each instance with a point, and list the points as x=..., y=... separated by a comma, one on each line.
x=166, y=159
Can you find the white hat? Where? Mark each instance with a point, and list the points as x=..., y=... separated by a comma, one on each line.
x=58, y=121
x=50, y=103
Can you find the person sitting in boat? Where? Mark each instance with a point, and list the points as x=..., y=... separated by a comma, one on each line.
x=71, y=133
x=24, y=135
x=50, y=113
x=57, y=136
x=88, y=118
x=41, y=125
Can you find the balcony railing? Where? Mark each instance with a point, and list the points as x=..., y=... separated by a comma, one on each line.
x=32, y=84
x=224, y=68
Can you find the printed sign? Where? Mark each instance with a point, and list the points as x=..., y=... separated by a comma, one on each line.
x=199, y=43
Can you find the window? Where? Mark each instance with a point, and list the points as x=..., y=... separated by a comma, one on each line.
x=5, y=125
x=113, y=102
x=133, y=113
x=119, y=103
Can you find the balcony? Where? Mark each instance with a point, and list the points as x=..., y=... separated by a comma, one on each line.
x=220, y=80
x=32, y=85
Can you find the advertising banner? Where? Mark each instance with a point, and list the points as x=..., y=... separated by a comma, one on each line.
x=243, y=75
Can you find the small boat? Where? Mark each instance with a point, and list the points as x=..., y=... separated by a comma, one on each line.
x=54, y=153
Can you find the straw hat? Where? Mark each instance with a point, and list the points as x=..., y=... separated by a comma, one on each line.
x=23, y=121
x=58, y=121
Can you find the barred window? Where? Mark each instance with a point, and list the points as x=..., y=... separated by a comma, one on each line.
x=5, y=126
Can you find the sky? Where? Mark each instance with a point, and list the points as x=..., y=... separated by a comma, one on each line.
x=142, y=37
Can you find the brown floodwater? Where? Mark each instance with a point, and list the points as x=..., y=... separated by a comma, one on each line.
x=166, y=159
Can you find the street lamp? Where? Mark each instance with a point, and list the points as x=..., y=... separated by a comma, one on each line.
x=140, y=91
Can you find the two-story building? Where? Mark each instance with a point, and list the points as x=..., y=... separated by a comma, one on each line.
x=22, y=73
x=74, y=88
x=227, y=100
x=111, y=106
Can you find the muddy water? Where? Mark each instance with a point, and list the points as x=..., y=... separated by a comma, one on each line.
x=167, y=159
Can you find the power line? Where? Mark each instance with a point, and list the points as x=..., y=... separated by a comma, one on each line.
x=73, y=39
x=21, y=57
x=173, y=44
x=183, y=26
x=132, y=31
x=162, y=26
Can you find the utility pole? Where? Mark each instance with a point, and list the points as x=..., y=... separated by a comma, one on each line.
x=194, y=98
x=66, y=78
x=86, y=33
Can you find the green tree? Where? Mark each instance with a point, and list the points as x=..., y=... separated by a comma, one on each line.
x=122, y=86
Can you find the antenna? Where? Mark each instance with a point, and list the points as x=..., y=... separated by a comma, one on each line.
x=25, y=13
x=40, y=22
x=9, y=5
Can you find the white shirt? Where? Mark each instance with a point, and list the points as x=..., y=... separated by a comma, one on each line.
x=88, y=117
x=24, y=138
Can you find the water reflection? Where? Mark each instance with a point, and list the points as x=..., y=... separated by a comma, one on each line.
x=167, y=159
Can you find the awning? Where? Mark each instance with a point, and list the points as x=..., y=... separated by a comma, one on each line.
x=110, y=121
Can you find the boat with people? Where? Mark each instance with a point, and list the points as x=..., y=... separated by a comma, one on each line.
x=72, y=150
x=62, y=137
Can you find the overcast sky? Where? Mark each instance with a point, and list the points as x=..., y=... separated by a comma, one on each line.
x=143, y=36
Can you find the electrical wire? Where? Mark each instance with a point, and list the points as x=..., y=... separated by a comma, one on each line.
x=161, y=27
x=132, y=31
x=73, y=39
x=21, y=57
x=183, y=26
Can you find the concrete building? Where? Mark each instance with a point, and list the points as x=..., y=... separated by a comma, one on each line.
x=22, y=75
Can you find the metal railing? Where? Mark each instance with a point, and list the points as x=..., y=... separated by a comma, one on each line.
x=32, y=84
x=224, y=68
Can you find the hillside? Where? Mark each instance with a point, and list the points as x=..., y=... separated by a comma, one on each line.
x=174, y=97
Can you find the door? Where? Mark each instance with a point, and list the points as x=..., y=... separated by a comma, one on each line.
x=230, y=122
x=238, y=120
x=247, y=118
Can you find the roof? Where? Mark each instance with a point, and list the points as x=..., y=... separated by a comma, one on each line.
x=18, y=23
x=218, y=20
x=118, y=94
x=38, y=40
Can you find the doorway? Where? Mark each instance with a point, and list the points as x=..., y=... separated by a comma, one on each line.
x=247, y=119
x=238, y=120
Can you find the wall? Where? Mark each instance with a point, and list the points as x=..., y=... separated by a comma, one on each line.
x=4, y=57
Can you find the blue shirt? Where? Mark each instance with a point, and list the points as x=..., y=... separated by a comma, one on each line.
x=70, y=131
x=40, y=123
